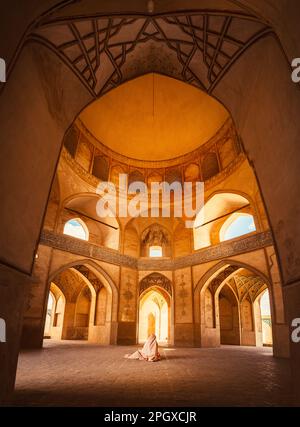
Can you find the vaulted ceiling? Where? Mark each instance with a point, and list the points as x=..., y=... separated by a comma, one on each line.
x=198, y=47
x=154, y=117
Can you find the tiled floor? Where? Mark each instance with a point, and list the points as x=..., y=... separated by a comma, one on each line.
x=73, y=373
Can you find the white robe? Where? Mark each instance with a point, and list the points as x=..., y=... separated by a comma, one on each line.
x=148, y=353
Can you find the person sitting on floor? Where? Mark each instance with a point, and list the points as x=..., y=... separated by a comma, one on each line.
x=149, y=352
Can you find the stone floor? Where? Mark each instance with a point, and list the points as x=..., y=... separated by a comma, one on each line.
x=73, y=373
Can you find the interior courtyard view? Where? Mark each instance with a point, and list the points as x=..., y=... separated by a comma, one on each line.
x=162, y=93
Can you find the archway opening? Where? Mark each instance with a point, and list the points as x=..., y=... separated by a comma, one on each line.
x=236, y=307
x=80, y=306
x=55, y=313
x=154, y=316
x=49, y=315
x=229, y=317
x=264, y=319
x=82, y=313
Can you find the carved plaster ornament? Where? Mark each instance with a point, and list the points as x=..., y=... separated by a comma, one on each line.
x=155, y=236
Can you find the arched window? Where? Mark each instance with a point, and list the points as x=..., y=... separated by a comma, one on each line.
x=76, y=228
x=237, y=225
x=155, y=251
x=218, y=206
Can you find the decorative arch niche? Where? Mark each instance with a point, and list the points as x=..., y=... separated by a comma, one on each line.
x=230, y=293
x=156, y=280
x=156, y=235
x=155, y=305
x=90, y=302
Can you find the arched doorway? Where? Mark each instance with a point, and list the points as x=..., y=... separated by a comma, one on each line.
x=82, y=313
x=83, y=308
x=266, y=320
x=236, y=303
x=154, y=316
x=55, y=313
x=263, y=319
x=228, y=317
x=155, y=309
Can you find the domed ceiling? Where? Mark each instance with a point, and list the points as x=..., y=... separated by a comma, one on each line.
x=154, y=117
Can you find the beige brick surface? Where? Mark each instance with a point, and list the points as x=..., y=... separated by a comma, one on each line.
x=73, y=373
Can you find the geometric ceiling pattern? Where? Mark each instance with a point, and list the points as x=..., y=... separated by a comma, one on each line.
x=249, y=286
x=222, y=276
x=153, y=280
x=88, y=274
x=197, y=48
x=242, y=282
